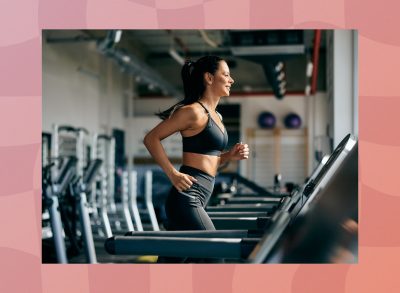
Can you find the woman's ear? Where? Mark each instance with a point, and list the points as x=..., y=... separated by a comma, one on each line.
x=209, y=78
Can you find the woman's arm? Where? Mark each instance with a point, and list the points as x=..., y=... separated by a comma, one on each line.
x=225, y=158
x=182, y=119
x=239, y=151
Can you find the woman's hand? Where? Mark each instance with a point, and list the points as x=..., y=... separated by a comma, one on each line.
x=181, y=181
x=240, y=151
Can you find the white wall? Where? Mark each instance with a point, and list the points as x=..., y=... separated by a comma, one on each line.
x=81, y=88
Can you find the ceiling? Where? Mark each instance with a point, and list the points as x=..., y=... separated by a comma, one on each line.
x=151, y=49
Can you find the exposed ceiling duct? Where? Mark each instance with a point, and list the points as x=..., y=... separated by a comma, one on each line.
x=135, y=66
x=269, y=49
x=271, y=44
x=281, y=51
x=251, y=56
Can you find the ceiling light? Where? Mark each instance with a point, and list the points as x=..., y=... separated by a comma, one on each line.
x=126, y=59
x=117, y=36
x=309, y=69
x=279, y=66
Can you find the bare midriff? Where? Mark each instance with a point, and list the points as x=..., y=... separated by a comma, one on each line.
x=205, y=163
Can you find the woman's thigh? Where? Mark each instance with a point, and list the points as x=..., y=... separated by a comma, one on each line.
x=185, y=212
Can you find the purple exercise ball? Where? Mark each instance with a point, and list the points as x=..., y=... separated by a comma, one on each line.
x=266, y=120
x=292, y=121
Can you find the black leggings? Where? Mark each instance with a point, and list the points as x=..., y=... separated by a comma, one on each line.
x=185, y=210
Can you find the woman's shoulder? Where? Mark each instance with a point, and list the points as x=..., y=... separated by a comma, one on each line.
x=192, y=111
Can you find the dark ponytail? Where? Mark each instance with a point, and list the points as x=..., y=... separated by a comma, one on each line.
x=193, y=82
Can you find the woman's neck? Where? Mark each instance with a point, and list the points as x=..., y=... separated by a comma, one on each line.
x=209, y=103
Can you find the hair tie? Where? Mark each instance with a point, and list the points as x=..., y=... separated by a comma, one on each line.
x=190, y=64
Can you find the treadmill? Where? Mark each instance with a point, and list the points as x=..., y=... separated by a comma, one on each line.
x=259, y=220
x=322, y=228
x=243, y=249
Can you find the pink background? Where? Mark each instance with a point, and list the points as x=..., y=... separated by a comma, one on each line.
x=20, y=127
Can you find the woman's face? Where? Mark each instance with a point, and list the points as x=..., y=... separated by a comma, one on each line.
x=221, y=81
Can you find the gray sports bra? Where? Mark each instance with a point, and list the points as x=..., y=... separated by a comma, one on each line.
x=210, y=141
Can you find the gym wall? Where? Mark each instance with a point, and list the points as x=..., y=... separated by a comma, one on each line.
x=82, y=88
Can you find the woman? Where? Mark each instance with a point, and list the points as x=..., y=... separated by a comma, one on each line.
x=204, y=138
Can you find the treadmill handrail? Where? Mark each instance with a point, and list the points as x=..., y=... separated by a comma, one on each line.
x=188, y=247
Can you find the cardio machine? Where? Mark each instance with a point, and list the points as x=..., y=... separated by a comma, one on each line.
x=336, y=182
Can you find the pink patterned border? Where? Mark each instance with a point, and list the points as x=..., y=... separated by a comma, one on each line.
x=20, y=115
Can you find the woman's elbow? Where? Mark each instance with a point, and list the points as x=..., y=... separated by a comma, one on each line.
x=146, y=139
x=149, y=139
